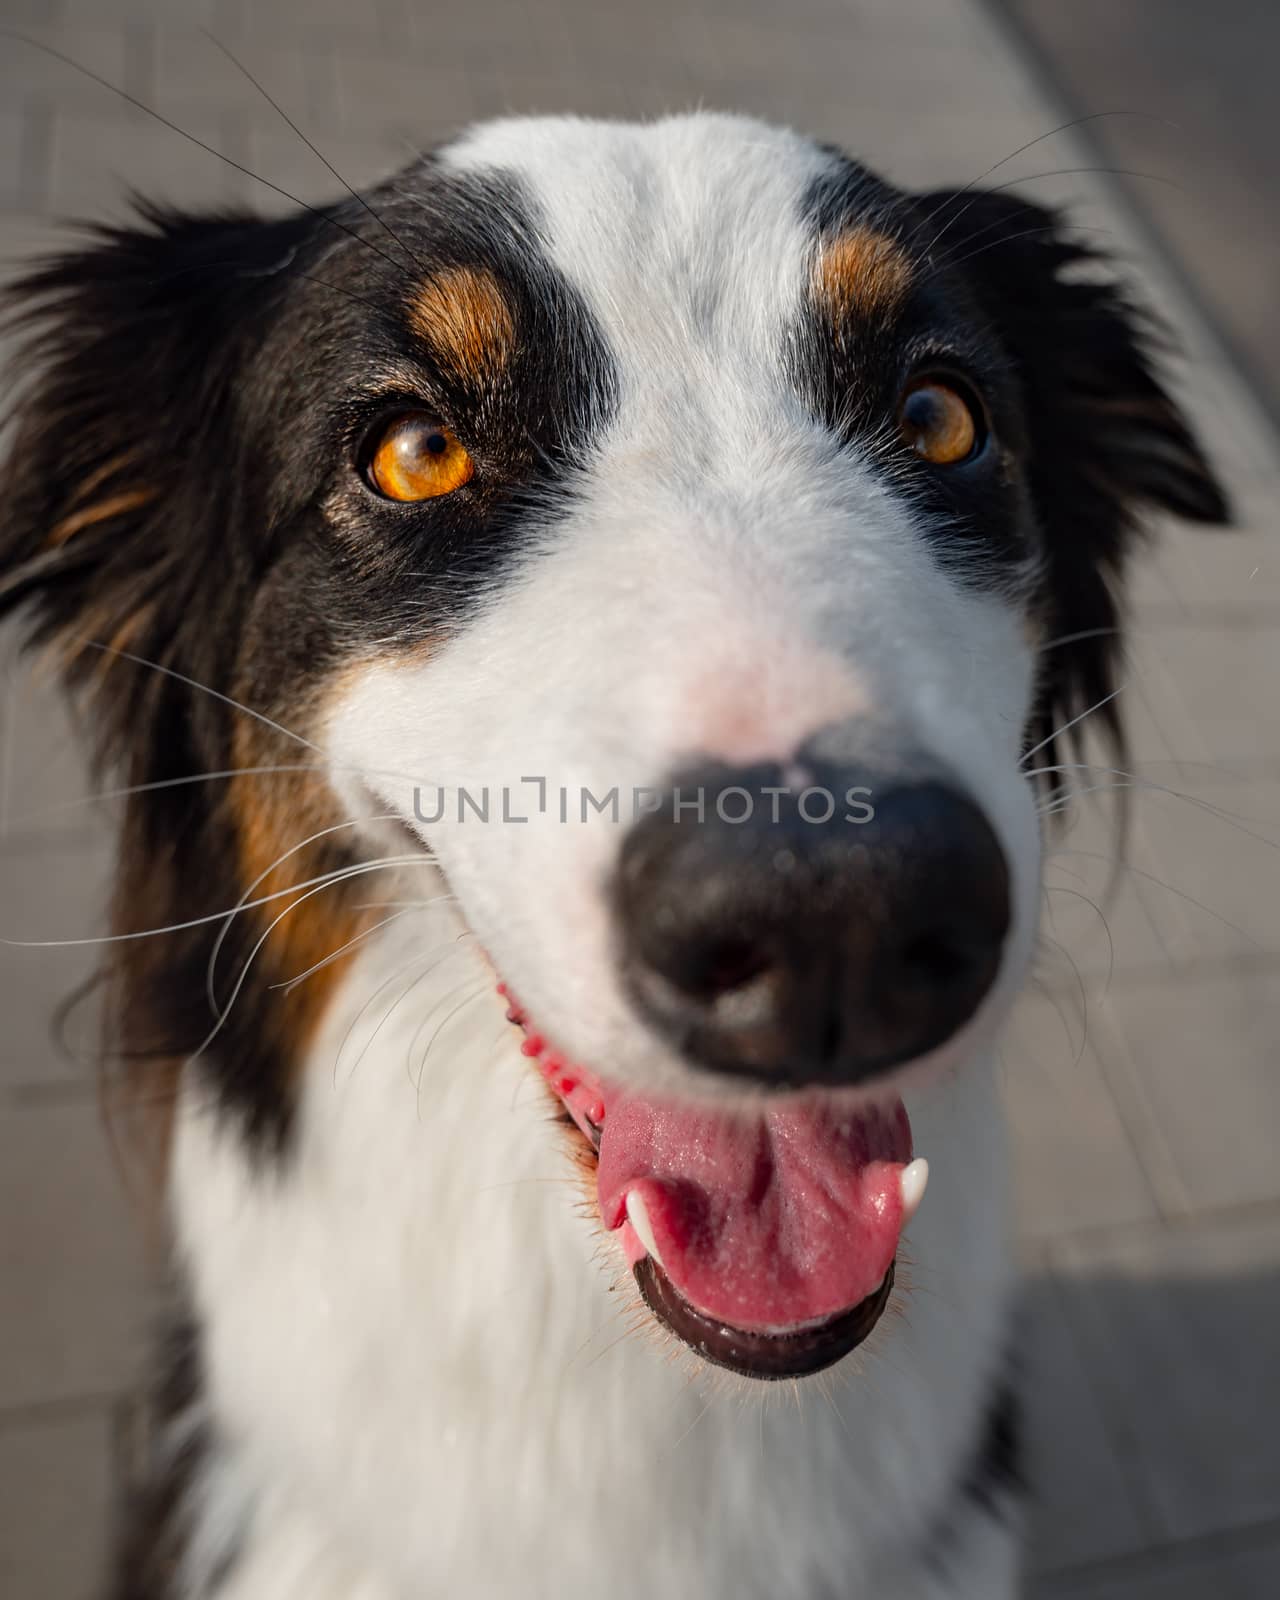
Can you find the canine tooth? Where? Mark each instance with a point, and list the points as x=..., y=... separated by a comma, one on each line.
x=639, y=1220
x=914, y=1179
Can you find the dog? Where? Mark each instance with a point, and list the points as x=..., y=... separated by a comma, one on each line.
x=581, y=628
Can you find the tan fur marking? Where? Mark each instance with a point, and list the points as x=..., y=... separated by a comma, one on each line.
x=113, y=506
x=103, y=474
x=464, y=316
x=275, y=812
x=860, y=273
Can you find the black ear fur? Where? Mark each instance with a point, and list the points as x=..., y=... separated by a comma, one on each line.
x=122, y=468
x=136, y=521
x=1106, y=440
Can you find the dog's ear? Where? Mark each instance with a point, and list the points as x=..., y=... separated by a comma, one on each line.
x=1105, y=439
x=121, y=466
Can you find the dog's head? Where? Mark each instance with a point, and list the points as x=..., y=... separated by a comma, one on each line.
x=732, y=528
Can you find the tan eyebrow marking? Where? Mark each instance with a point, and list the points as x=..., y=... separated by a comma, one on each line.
x=860, y=272
x=463, y=315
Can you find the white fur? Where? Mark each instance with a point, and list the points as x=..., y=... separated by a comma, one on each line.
x=416, y=1370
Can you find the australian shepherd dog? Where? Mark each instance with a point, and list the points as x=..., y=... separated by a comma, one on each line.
x=581, y=627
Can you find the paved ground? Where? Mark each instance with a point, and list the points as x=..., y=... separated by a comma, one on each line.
x=1143, y=1084
x=1197, y=142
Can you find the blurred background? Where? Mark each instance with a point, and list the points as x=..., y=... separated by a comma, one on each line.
x=1141, y=1074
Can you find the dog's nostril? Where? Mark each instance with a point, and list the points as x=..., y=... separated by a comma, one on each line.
x=728, y=967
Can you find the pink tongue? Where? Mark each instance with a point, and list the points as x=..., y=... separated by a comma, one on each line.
x=763, y=1220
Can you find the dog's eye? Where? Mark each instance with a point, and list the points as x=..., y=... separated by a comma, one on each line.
x=943, y=424
x=415, y=457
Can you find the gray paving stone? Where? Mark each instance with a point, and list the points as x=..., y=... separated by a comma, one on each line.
x=1216, y=851
x=56, y=1497
x=23, y=159
x=1193, y=886
x=1202, y=1066
x=278, y=155
x=22, y=237
x=1097, y=926
x=206, y=13
x=1207, y=573
x=1082, y=1508
x=1179, y=1331
x=53, y=889
x=44, y=776
x=1211, y=691
x=26, y=69
x=70, y=1259
x=1076, y=1167
x=97, y=161
x=1229, y=1570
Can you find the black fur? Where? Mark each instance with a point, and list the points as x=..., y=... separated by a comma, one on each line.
x=997, y=1472
x=993, y=1480
x=1084, y=437
x=1104, y=440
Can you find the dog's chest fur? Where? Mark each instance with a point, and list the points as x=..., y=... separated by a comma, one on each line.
x=415, y=1379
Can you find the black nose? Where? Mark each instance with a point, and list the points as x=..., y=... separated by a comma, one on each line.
x=801, y=947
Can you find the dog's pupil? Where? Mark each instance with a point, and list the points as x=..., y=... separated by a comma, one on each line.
x=437, y=444
x=925, y=412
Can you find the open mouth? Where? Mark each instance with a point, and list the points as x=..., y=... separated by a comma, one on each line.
x=763, y=1239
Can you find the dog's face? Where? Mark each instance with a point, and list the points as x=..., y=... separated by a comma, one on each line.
x=740, y=524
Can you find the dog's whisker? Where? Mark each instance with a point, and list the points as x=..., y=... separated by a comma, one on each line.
x=1050, y=994
x=434, y=957
x=480, y=988
x=407, y=905
x=210, y=981
x=319, y=212
x=1059, y=888
x=1231, y=818
x=1043, y=230
x=705, y=1407
x=319, y=154
x=411, y=1049
x=223, y=774
x=328, y=882
x=1169, y=888
x=1080, y=989
x=1095, y=171
x=1078, y=637
x=971, y=186
x=290, y=984
x=204, y=688
x=195, y=922
x=104, y=795
x=1066, y=727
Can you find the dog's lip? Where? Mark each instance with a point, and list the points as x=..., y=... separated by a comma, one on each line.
x=763, y=1354
x=761, y=1343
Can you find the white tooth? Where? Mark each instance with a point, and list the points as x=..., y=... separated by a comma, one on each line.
x=639, y=1220
x=914, y=1180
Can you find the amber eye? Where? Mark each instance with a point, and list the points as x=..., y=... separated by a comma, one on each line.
x=940, y=423
x=415, y=457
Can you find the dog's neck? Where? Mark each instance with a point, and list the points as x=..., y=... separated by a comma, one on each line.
x=420, y=1357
